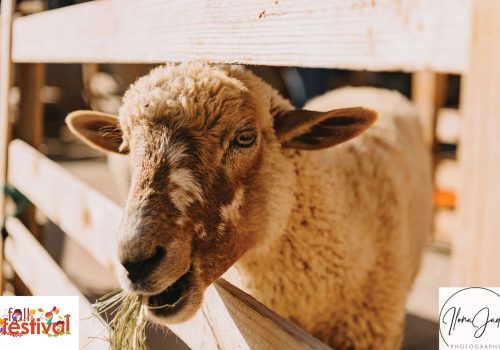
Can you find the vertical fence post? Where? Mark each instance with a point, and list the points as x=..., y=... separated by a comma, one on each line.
x=428, y=91
x=429, y=95
x=6, y=12
x=475, y=256
x=30, y=78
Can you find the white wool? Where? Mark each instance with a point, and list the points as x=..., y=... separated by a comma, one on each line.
x=354, y=239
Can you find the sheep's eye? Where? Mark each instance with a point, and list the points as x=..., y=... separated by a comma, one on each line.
x=245, y=139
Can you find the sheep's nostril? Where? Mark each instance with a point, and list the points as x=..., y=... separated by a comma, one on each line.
x=138, y=269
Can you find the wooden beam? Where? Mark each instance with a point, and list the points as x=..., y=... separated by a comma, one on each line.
x=83, y=213
x=429, y=95
x=475, y=255
x=43, y=276
x=374, y=35
x=88, y=71
x=29, y=126
x=232, y=319
x=30, y=78
x=6, y=12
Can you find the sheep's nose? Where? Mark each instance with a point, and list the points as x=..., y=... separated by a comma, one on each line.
x=138, y=269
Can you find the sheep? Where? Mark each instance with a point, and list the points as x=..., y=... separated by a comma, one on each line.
x=225, y=171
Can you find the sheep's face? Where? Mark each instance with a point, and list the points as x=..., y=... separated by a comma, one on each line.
x=180, y=229
x=198, y=140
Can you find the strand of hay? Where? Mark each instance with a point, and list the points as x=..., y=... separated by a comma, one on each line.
x=127, y=329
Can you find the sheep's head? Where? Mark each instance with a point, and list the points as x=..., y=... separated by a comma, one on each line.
x=206, y=149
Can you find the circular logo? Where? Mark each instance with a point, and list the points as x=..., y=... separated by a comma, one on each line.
x=470, y=316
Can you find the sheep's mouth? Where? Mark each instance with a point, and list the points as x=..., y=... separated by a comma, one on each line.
x=173, y=298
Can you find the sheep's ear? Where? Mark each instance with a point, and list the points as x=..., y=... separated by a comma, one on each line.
x=311, y=130
x=98, y=130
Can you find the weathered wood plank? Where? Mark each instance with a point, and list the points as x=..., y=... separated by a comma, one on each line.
x=429, y=94
x=7, y=10
x=83, y=213
x=29, y=124
x=232, y=319
x=43, y=276
x=475, y=256
x=355, y=34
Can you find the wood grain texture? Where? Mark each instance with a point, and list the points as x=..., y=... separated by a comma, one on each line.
x=475, y=256
x=6, y=12
x=355, y=34
x=83, y=213
x=43, y=276
x=429, y=94
x=29, y=123
x=29, y=127
x=231, y=319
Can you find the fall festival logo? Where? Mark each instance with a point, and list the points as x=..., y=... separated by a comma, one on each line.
x=19, y=322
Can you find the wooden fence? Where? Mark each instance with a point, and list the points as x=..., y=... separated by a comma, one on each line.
x=427, y=36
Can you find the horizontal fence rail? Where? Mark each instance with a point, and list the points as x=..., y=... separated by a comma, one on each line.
x=228, y=319
x=352, y=34
x=82, y=212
